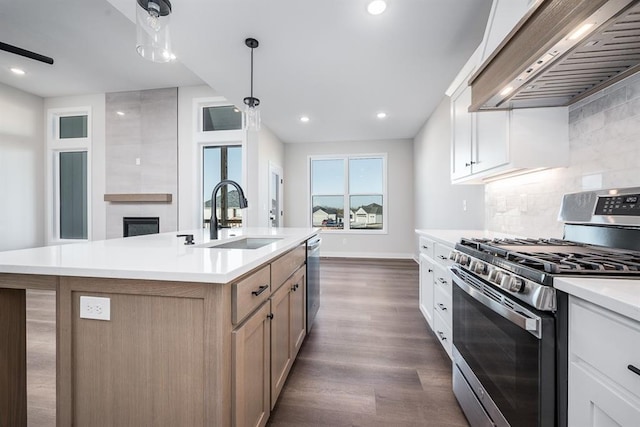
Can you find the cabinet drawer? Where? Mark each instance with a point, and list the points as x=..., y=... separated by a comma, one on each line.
x=443, y=306
x=442, y=279
x=249, y=293
x=443, y=333
x=284, y=266
x=441, y=255
x=426, y=246
x=606, y=341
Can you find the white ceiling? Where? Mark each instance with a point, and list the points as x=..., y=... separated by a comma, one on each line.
x=327, y=59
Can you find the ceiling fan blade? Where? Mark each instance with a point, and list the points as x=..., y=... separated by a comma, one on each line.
x=25, y=53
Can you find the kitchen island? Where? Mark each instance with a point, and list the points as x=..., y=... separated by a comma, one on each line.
x=196, y=335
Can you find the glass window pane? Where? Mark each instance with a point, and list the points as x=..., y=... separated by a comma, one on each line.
x=73, y=127
x=365, y=212
x=328, y=212
x=365, y=176
x=219, y=163
x=327, y=176
x=227, y=117
x=73, y=195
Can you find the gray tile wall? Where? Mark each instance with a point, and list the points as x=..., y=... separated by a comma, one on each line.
x=147, y=131
x=604, y=136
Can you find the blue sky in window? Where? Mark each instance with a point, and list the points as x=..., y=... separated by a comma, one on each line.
x=211, y=169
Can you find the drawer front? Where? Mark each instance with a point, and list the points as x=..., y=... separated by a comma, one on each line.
x=443, y=305
x=442, y=279
x=249, y=293
x=286, y=265
x=441, y=255
x=426, y=246
x=443, y=333
x=606, y=341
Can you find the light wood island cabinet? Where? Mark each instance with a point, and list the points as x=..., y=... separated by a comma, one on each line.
x=172, y=353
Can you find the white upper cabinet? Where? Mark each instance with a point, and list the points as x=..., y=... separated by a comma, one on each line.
x=488, y=144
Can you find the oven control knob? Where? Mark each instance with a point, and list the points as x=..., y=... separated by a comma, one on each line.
x=478, y=267
x=495, y=276
x=515, y=284
x=463, y=259
x=453, y=255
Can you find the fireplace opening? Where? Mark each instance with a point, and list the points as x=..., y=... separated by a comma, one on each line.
x=138, y=226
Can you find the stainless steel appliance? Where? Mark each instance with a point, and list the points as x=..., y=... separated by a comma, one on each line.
x=313, y=279
x=510, y=324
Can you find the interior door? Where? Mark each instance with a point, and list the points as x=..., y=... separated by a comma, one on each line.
x=276, y=211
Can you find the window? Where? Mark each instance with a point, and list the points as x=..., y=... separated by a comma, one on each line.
x=218, y=163
x=217, y=118
x=348, y=193
x=72, y=194
x=69, y=177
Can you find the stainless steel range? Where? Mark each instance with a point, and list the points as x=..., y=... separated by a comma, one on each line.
x=510, y=324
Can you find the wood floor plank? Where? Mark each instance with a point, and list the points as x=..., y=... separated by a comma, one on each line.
x=369, y=341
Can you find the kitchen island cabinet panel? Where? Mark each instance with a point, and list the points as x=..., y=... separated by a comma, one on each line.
x=251, y=370
x=159, y=360
x=13, y=355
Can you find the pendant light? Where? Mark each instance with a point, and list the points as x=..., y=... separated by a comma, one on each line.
x=152, y=28
x=252, y=114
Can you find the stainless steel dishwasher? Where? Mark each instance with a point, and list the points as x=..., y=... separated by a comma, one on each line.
x=313, y=279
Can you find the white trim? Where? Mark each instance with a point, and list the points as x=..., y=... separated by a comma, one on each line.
x=376, y=255
x=54, y=146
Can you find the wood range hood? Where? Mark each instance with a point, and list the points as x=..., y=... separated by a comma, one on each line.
x=542, y=63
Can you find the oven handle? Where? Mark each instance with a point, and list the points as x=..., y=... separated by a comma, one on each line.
x=529, y=324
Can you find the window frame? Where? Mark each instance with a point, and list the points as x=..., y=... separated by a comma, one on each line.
x=55, y=146
x=216, y=138
x=347, y=194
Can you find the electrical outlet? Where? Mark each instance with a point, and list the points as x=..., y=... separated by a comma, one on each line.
x=95, y=308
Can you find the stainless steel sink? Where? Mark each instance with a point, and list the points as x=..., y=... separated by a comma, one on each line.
x=246, y=243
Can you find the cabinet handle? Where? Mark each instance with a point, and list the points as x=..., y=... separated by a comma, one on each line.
x=425, y=247
x=430, y=270
x=442, y=257
x=470, y=163
x=441, y=335
x=270, y=316
x=634, y=369
x=442, y=306
x=260, y=290
x=295, y=287
x=442, y=280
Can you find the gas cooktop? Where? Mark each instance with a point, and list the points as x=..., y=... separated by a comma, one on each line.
x=541, y=257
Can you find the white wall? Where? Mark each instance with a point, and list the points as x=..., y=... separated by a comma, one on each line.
x=398, y=242
x=97, y=104
x=438, y=203
x=604, y=153
x=270, y=150
x=21, y=169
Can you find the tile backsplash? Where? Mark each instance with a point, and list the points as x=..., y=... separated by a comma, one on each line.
x=604, y=138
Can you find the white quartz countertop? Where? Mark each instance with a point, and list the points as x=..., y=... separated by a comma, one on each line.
x=156, y=256
x=451, y=237
x=619, y=295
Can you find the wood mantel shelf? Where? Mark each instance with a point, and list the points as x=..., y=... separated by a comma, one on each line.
x=139, y=197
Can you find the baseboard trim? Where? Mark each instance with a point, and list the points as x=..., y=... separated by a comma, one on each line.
x=368, y=255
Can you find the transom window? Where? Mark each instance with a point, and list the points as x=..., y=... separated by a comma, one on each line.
x=348, y=193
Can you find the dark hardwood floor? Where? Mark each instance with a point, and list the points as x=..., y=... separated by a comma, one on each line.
x=370, y=359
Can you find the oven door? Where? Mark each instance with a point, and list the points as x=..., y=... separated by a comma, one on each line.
x=504, y=352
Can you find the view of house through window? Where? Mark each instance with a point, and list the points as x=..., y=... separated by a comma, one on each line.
x=348, y=193
x=219, y=163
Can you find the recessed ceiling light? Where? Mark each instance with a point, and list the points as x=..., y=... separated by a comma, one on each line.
x=304, y=119
x=18, y=71
x=376, y=7
x=120, y=113
x=381, y=115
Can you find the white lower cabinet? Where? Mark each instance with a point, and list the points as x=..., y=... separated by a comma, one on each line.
x=604, y=358
x=435, y=289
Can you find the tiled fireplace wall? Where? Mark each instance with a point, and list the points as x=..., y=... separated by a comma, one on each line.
x=604, y=136
x=141, y=155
